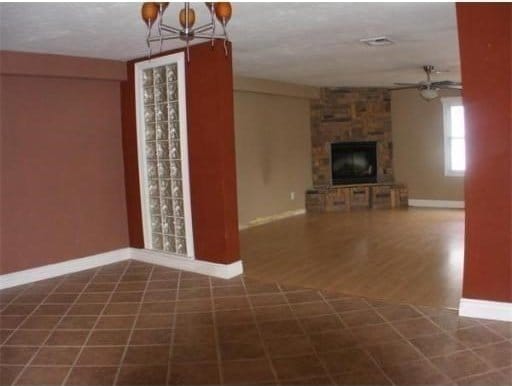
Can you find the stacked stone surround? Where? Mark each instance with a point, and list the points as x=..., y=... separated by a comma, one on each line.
x=347, y=115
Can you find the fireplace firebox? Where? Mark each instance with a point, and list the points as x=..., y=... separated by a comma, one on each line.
x=353, y=163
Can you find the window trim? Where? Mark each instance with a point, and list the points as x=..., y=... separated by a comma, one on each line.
x=448, y=102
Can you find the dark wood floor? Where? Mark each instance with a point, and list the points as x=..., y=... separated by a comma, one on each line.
x=411, y=255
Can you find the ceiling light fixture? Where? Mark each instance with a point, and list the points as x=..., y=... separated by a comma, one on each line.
x=429, y=93
x=152, y=12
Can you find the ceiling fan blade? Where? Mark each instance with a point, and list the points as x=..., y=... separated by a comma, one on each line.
x=450, y=86
x=408, y=84
x=446, y=83
x=411, y=87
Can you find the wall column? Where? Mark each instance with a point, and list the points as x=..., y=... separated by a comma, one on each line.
x=485, y=36
x=211, y=138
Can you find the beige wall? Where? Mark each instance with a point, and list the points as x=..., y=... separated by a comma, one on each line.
x=273, y=148
x=418, y=153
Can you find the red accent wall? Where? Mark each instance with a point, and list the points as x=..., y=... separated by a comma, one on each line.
x=61, y=185
x=485, y=36
x=211, y=154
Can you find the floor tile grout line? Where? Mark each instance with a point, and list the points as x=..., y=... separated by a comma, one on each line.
x=32, y=313
x=134, y=323
x=41, y=345
x=361, y=348
x=414, y=347
x=260, y=335
x=95, y=323
x=170, y=362
x=315, y=351
x=466, y=347
x=31, y=285
x=216, y=335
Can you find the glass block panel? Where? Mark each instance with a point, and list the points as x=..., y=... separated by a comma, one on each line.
x=165, y=188
x=150, y=150
x=166, y=206
x=172, y=72
x=172, y=91
x=161, y=93
x=163, y=159
x=153, y=188
x=150, y=132
x=177, y=188
x=173, y=111
x=169, y=244
x=157, y=241
x=149, y=114
x=159, y=75
x=177, y=207
x=147, y=77
x=149, y=98
x=168, y=225
x=152, y=169
x=162, y=131
x=181, y=246
x=175, y=169
x=162, y=149
x=164, y=169
x=179, y=227
x=161, y=112
x=174, y=151
x=156, y=223
x=154, y=205
x=174, y=130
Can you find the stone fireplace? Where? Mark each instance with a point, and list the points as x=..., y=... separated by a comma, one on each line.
x=351, y=115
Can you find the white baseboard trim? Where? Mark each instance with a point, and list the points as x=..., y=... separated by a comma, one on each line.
x=269, y=219
x=223, y=271
x=436, y=204
x=58, y=269
x=485, y=309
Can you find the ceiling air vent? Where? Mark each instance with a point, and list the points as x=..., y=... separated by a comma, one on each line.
x=377, y=41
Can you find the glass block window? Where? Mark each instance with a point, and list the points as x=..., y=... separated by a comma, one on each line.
x=166, y=223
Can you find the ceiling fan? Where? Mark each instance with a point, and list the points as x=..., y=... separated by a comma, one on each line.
x=429, y=89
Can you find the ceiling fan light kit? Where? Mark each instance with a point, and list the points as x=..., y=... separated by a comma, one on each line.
x=429, y=90
x=429, y=93
x=220, y=13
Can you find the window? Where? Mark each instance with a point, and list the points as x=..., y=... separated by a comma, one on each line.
x=454, y=137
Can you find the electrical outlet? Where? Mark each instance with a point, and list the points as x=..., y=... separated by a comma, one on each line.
x=292, y=195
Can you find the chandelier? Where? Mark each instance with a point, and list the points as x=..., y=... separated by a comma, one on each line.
x=154, y=12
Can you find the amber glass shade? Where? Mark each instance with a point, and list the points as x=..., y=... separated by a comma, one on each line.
x=191, y=17
x=149, y=12
x=223, y=11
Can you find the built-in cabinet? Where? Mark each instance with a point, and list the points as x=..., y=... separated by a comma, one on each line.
x=353, y=197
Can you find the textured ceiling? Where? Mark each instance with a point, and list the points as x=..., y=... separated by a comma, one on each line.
x=304, y=43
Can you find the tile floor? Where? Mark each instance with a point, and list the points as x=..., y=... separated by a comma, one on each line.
x=133, y=323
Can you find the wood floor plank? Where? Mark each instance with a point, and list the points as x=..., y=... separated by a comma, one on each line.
x=411, y=255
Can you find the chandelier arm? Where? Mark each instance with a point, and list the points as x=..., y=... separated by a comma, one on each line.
x=164, y=37
x=225, y=32
x=169, y=28
x=203, y=28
